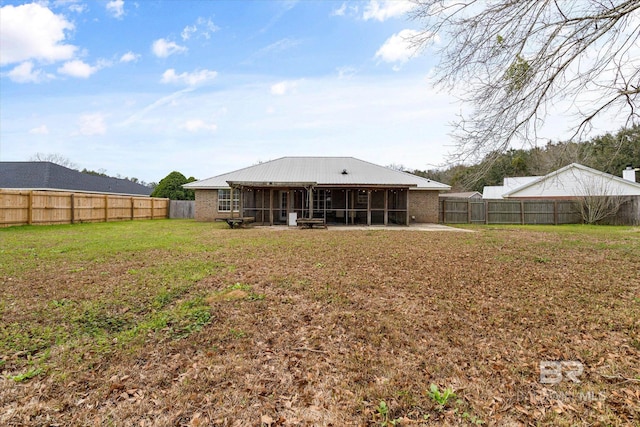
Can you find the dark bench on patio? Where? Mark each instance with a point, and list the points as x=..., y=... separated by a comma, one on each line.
x=311, y=222
x=237, y=222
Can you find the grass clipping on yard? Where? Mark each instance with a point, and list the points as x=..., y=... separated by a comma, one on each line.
x=184, y=323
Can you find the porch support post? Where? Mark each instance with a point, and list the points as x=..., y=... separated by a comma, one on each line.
x=407, y=197
x=241, y=202
x=310, y=200
x=352, y=212
x=232, y=193
x=271, y=206
x=346, y=207
x=368, y=207
x=386, y=206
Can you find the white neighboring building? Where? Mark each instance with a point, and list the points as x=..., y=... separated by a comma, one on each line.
x=573, y=180
x=496, y=191
x=576, y=180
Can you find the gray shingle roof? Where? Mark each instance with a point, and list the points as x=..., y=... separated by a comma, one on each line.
x=324, y=171
x=50, y=176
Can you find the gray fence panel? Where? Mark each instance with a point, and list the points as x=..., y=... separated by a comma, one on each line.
x=182, y=209
x=456, y=211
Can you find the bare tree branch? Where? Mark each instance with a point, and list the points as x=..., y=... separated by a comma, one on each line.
x=56, y=158
x=517, y=60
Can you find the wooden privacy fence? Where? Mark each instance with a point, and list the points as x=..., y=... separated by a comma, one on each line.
x=468, y=211
x=58, y=207
x=509, y=212
x=181, y=209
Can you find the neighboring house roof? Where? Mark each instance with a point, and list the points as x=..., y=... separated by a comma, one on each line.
x=511, y=183
x=50, y=176
x=576, y=180
x=463, y=195
x=323, y=171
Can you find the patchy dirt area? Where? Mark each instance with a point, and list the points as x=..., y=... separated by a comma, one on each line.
x=199, y=325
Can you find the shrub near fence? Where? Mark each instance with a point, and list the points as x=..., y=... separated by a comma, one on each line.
x=58, y=207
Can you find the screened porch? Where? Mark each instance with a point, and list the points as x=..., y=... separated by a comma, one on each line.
x=337, y=206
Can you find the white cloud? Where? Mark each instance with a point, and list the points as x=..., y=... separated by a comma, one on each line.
x=198, y=77
x=78, y=8
x=340, y=11
x=92, y=124
x=284, y=87
x=129, y=57
x=32, y=31
x=202, y=28
x=280, y=46
x=383, y=10
x=346, y=72
x=273, y=49
x=116, y=8
x=188, y=31
x=78, y=68
x=24, y=73
x=163, y=48
x=197, y=125
x=40, y=130
x=398, y=47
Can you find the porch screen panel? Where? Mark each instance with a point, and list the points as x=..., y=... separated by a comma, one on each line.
x=397, y=205
x=377, y=207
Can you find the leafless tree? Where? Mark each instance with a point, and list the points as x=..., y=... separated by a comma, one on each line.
x=597, y=200
x=54, y=158
x=514, y=60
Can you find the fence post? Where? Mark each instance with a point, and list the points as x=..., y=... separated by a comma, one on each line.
x=486, y=212
x=73, y=211
x=555, y=212
x=444, y=211
x=132, y=208
x=30, y=209
x=522, y=212
x=468, y=211
x=152, y=207
x=106, y=208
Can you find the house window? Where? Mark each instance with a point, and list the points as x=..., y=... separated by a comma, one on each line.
x=224, y=200
x=321, y=200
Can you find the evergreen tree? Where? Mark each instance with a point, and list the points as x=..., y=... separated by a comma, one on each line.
x=170, y=187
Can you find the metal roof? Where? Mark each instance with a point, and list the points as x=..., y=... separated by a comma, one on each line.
x=321, y=171
x=50, y=176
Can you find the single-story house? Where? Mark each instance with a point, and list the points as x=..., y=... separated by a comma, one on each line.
x=47, y=176
x=339, y=190
x=569, y=182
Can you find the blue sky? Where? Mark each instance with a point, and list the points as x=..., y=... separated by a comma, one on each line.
x=204, y=87
x=139, y=89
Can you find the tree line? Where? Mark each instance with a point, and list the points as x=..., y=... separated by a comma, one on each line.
x=609, y=153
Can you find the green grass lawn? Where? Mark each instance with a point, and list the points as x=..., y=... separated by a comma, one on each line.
x=176, y=322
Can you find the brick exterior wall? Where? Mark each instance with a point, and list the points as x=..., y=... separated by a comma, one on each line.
x=423, y=205
x=207, y=205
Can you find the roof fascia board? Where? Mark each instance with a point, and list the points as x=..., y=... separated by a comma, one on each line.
x=270, y=184
x=62, y=190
